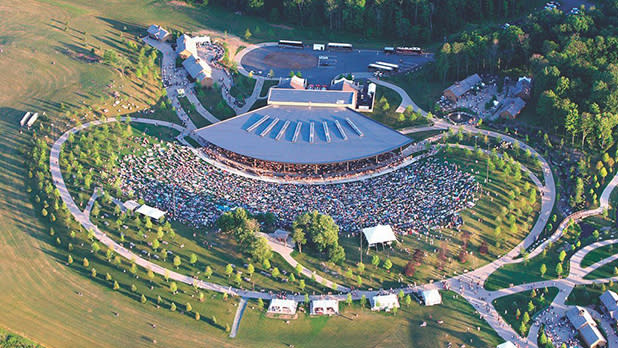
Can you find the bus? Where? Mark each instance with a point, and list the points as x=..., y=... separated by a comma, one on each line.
x=381, y=68
x=394, y=66
x=389, y=50
x=290, y=44
x=409, y=50
x=336, y=46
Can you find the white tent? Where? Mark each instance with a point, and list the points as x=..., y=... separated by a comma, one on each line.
x=384, y=302
x=431, y=297
x=280, y=306
x=379, y=234
x=151, y=212
x=324, y=307
x=507, y=344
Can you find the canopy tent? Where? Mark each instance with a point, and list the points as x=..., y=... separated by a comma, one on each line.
x=281, y=306
x=151, y=212
x=379, y=234
x=507, y=344
x=431, y=297
x=324, y=307
x=384, y=302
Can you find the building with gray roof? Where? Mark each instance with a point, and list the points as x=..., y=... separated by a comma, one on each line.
x=511, y=107
x=459, y=89
x=303, y=135
x=609, y=301
x=312, y=97
x=186, y=46
x=199, y=71
x=582, y=321
x=158, y=33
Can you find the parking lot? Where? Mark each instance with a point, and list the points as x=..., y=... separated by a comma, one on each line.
x=322, y=66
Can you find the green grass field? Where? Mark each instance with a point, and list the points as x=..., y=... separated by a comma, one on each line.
x=421, y=88
x=507, y=306
x=195, y=117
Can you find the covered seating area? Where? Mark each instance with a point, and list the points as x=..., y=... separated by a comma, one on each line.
x=380, y=234
x=384, y=302
x=282, y=306
x=324, y=307
x=151, y=212
x=431, y=297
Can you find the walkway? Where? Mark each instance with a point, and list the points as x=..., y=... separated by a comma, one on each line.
x=239, y=312
x=405, y=98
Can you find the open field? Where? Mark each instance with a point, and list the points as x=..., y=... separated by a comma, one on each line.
x=378, y=329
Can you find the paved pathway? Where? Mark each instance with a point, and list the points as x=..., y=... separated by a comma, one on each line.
x=405, y=98
x=239, y=312
x=169, y=73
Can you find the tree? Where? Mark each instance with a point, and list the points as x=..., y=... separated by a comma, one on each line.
x=208, y=272
x=559, y=269
x=70, y=259
x=250, y=269
x=375, y=260
x=348, y=299
x=151, y=275
x=561, y=256
x=526, y=318
x=360, y=267
x=260, y=250
x=260, y=303
x=173, y=307
x=173, y=287
x=543, y=270
x=248, y=34
x=408, y=300
x=177, y=261
x=321, y=230
x=197, y=315
x=192, y=258
x=116, y=286
x=85, y=262
x=387, y=264
x=275, y=272
x=188, y=306
x=298, y=269
x=530, y=306
x=301, y=284
x=143, y=299
x=229, y=270
x=363, y=301
x=298, y=235
x=93, y=272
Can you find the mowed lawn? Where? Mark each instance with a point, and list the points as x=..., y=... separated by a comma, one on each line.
x=375, y=329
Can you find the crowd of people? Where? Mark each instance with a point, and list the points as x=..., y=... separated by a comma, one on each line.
x=303, y=171
x=416, y=198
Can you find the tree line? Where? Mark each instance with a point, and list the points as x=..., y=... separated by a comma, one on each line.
x=406, y=21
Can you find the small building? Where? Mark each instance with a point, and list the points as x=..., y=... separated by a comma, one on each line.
x=158, y=33
x=511, y=107
x=523, y=88
x=199, y=71
x=281, y=306
x=461, y=88
x=592, y=336
x=609, y=301
x=318, y=47
x=130, y=205
x=582, y=321
x=384, y=302
x=151, y=212
x=380, y=234
x=186, y=46
x=431, y=297
x=507, y=344
x=324, y=307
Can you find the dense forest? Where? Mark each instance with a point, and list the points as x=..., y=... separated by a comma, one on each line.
x=406, y=22
x=573, y=59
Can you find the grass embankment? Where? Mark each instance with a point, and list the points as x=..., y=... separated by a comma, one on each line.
x=385, y=110
x=527, y=302
x=599, y=254
x=588, y=295
x=190, y=109
x=243, y=86
x=212, y=100
x=530, y=271
x=424, y=90
x=266, y=87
